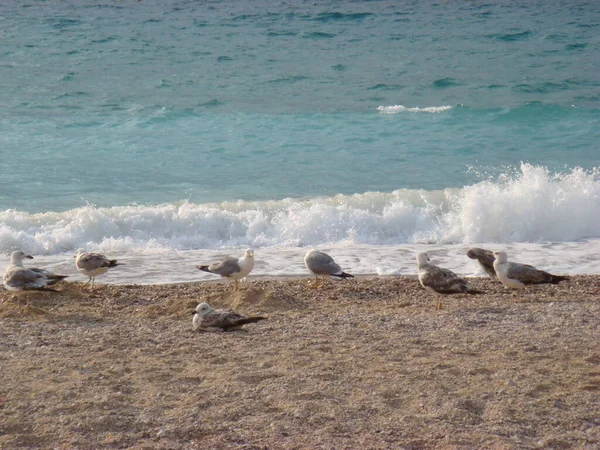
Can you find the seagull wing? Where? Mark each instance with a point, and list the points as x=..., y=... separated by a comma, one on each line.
x=226, y=267
x=527, y=274
x=92, y=261
x=321, y=263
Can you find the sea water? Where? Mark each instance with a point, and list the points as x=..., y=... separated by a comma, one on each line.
x=169, y=134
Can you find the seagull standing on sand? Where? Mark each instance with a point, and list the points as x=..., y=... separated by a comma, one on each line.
x=485, y=258
x=518, y=276
x=209, y=319
x=93, y=264
x=236, y=268
x=439, y=280
x=18, y=278
x=320, y=263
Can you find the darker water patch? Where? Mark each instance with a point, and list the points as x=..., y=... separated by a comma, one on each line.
x=62, y=23
x=288, y=80
x=281, y=33
x=575, y=46
x=103, y=40
x=541, y=88
x=224, y=59
x=71, y=95
x=385, y=87
x=210, y=104
x=511, y=37
x=340, y=17
x=588, y=25
x=68, y=77
x=319, y=35
x=339, y=67
x=444, y=83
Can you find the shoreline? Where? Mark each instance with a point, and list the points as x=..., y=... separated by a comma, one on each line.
x=365, y=362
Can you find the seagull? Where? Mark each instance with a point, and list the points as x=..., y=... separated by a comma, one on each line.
x=517, y=276
x=439, y=280
x=17, y=258
x=209, y=319
x=18, y=278
x=485, y=258
x=93, y=264
x=320, y=263
x=236, y=268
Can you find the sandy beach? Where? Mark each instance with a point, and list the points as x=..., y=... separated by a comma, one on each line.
x=366, y=363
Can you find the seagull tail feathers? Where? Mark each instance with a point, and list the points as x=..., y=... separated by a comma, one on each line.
x=204, y=268
x=114, y=263
x=56, y=278
x=343, y=275
x=473, y=291
x=558, y=278
x=251, y=320
x=239, y=323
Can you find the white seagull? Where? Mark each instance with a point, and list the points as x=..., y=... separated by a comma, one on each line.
x=93, y=264
x=209, y=319
x=18, y=278
x=439, y=280
x=320, y=263
x=17, y=258
x=236, y=268
x=518, y=276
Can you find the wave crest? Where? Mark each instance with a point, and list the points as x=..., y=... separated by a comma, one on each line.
x=395, y=109
x=527, y=204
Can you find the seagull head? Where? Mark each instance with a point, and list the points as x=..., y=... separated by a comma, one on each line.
x=17, y=256
x=501, y=257
x=422, y=258
x=78, y=252
x=249, y=253
x=202, y=309
x=475, y=253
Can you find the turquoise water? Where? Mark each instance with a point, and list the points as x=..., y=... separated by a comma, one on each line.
x=150, y=127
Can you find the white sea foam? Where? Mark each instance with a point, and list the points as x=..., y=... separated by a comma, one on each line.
x=530, y=207
x=395, y=109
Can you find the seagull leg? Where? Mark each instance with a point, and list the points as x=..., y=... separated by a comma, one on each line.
x=316, y=285
x=439, y=303
x=93, y=279
x=88, y=281
x=237, y=285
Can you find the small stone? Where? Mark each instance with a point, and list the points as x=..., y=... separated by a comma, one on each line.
x=559, y=404
x=161, y=433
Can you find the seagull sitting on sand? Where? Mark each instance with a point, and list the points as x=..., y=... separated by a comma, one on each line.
x=320, y=263
x=93, y=264
x=209, y=319
x=17, y=258
x=439, y=280
x=18, y=278
x=518, y=276
x=485, y=258
x=236, y=268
